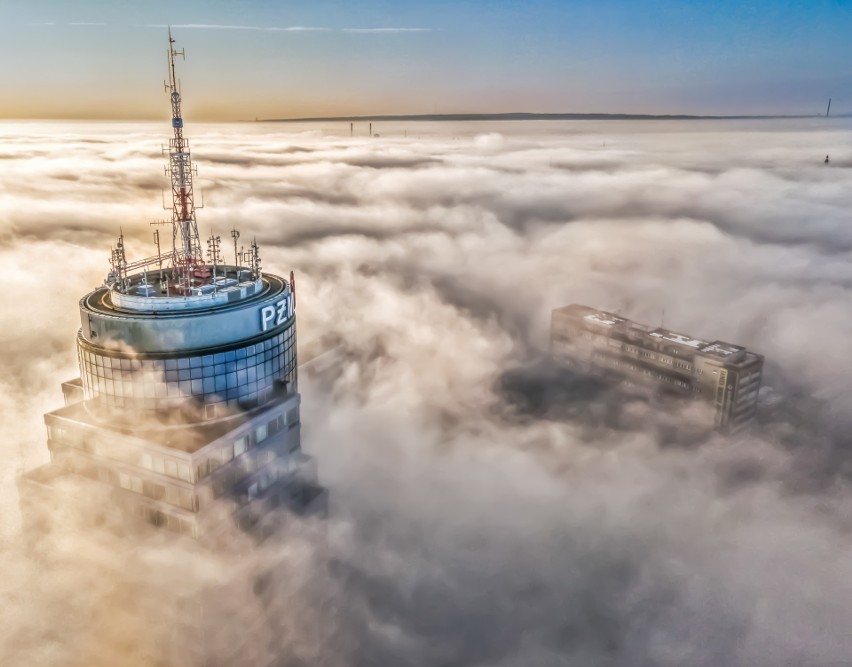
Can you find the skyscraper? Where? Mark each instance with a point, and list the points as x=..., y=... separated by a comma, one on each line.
x=188, y=389
x=186, y=415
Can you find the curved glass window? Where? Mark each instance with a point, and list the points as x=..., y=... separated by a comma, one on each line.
x=237, y=378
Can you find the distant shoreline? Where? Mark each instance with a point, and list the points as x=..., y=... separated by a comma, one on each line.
x=461, y=117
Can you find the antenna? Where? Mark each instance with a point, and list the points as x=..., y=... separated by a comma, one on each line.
x=159, y=252
x=213, y=254
x=188, y=257
x=255, y=260
x=827, y=111
x=235, y=235
x=118, y=263
x=182, y=268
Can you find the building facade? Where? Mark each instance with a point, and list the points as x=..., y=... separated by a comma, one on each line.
x=186, y=416
x=658, y=362
x=188, y=388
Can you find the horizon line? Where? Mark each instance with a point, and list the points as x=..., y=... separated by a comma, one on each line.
x=455, y=116
x=535, y=115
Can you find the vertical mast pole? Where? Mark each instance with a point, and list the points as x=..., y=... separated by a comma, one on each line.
x=236, y=235
x=180, y=169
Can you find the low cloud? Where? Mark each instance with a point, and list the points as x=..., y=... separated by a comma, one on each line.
x=486, y=510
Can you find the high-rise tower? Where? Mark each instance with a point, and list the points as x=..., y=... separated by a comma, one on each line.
x=185, y=416
x=188, y=398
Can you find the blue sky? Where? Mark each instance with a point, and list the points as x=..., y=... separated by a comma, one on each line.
x=250, y=58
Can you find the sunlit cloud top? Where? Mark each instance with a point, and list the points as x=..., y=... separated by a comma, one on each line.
x=468, y=525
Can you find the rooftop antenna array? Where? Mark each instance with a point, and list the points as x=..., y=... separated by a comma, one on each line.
x=188, y=258
x=182, y=269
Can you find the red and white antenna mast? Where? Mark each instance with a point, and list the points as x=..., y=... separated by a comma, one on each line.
x=188, y=258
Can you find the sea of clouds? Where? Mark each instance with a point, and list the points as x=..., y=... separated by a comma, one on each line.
x=474, y=521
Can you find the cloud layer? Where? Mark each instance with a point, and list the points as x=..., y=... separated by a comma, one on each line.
x=466, y=527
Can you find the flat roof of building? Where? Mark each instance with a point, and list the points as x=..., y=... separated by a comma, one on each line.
x=722, y=349
x=717, y=348
x=678, y=338
x=171, y=432
x=606, y=319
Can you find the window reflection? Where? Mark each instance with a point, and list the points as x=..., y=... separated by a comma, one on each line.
x=234, y=378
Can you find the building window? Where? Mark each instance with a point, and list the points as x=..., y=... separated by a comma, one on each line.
x=292, y=416
x=186, y=500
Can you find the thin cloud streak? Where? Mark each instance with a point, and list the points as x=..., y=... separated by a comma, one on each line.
x=299, y=28
x=295, y=28
x=254, y=28
x=389, y=30
x=201, y=26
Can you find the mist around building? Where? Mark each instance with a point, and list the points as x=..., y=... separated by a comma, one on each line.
x=542, y=413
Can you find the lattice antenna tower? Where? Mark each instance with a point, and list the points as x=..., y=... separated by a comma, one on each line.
x=235, y=234
x=214, y=254
x=118, y=264
x=254, y=254
x=188, y=256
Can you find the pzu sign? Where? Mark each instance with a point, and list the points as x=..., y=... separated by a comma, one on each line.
x=275, y=314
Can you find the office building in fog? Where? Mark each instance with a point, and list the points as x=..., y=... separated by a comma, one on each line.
x=657, y=362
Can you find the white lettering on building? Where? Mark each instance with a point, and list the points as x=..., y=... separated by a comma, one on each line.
x=275, y=314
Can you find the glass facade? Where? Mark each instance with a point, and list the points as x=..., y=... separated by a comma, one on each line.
x=237, y=378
